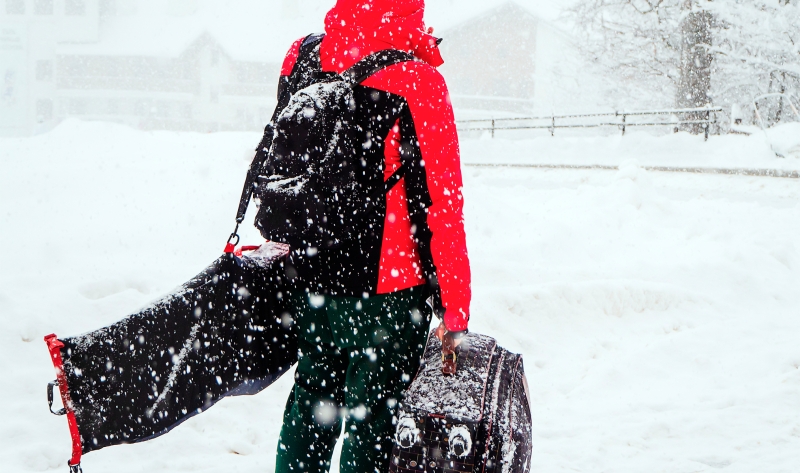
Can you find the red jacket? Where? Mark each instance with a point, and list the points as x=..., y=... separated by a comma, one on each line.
x=355, y=29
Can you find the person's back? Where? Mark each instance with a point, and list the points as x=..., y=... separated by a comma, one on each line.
x=360, y=308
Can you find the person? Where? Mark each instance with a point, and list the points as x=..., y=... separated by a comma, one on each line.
x=362, y=310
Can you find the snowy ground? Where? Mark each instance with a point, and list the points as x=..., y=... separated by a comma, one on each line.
x=658, y=313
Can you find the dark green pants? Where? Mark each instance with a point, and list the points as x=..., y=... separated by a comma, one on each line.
x=356, y=357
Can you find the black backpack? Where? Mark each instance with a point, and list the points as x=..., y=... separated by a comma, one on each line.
x=307, y=191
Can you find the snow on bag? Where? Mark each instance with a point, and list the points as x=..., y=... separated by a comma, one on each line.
x=223, y=333
x=477, y=420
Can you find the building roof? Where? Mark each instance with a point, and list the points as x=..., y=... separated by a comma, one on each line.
x=250, y=30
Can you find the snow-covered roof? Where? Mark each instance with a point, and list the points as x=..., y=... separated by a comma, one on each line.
x=250, y=30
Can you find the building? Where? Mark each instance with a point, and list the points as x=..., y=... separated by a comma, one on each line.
x=198, y=65
x=150, y=64
x=491, y=59
x=505, y=60
x=30, y=31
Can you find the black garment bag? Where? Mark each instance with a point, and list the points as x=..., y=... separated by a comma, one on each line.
x=223, y=333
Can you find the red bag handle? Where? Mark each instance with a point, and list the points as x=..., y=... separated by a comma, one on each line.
x=54, y=345
x=245, y=248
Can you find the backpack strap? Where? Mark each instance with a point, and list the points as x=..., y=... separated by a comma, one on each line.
x=373, y=64
x=394, y=179
x=366, y=68
x=313, y=39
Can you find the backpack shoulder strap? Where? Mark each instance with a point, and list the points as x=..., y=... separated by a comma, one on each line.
x=313, y=39
x=394, y=179
x=375, y=63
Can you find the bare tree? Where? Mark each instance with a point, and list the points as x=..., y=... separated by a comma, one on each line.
x=692, y=52
x=694, y=85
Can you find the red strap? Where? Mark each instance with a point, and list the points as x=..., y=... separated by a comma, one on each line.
x=229, y=248
x=55, y=345
x=245, y=248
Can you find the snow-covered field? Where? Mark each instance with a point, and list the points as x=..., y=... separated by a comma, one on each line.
x=658, y=313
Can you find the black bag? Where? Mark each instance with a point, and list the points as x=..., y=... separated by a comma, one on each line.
x=308, y=192
x=224, y=333
x=477, y=420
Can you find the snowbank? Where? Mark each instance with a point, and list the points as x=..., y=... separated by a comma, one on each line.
x=657, y=312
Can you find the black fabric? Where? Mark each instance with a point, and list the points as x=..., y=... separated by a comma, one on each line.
x=354, y=354
x=373, y=63
x=309, y=194
x=419, y=200
x=394, y=179
x=352, y=269
x=222, y=334
x=476, y=420
x=302, y=75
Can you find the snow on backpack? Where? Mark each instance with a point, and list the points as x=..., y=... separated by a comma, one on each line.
x=476, y=419
x=307, y=191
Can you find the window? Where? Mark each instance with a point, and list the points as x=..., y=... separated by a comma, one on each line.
x=44, y=110
x=108, y=7
x=44, y=70
x=43, y=7
x=75, y=7
x=15, y=7
x=113, y=107
x=162, y=109
x=77, y=107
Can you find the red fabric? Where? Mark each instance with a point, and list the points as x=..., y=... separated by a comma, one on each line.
x=355, y=29
x=358, y=28
x=291, y=57
x=426, y=93
x=54, y=345
x=240, y=251
x=400, y=266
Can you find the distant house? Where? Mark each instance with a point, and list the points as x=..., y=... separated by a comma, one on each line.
x=506, y=59
x=213, y=66
x=29, y=33
x=491, y=59
x=202, y=88
x=103, y=60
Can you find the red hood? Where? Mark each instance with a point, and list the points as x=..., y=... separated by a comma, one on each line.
x=357, y=28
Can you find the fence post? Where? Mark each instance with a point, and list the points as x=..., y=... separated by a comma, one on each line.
x=624, y=120
x=492, y=127
x=553, y=127
x=708, y=123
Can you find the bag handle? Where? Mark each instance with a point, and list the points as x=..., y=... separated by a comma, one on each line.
x=54, y=346
x=449, y=357
x=50, y=387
